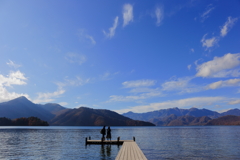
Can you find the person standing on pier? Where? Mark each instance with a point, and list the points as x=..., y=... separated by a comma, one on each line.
x=103, y=132
x=109, y=136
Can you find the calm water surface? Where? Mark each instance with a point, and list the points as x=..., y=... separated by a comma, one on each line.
x=211, y=142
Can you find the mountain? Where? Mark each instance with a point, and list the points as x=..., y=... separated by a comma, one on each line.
x=189, y=121
x=54, y=108
x=148, y=116
x=225, y=120
x=84, y=116
x=234, y=112
x=22, y=107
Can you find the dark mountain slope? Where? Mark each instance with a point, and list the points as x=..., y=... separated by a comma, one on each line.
x=94, y=117
x=22, y=107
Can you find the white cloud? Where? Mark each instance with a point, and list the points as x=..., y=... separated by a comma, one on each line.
x=115, y=98
x=138, y=83
x=181, y=85
x=78, y=81
x=75, y=58
x=14, y=78
x=12, y=64
x=206, y=13
x=227, y=26
x=220, y=66
x=108, y=76
x=227, y=83
x=159, y=15
x=127, y=14
x=209, y=43
x=192, y=50
x=63, y=103
x=189, y=66
x=112, y=29
x=234, y=102
x=182, y=103
x=48, y=96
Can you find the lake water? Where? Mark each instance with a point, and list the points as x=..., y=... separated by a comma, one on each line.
x=202, y=142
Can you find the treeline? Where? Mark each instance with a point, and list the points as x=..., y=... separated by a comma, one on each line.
x=30, y=121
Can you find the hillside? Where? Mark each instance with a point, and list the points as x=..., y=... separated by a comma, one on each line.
x=225, y=120
x=84, y=116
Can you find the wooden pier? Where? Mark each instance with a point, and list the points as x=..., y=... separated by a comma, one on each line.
x=128, y=151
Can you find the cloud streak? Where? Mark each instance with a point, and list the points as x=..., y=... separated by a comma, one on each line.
x=138, y=83
x=159, y=15
x=112, y=29
x=226, y=83
x=227, y=26
x=75, y=58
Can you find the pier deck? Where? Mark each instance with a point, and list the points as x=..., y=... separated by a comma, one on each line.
x=130, y=151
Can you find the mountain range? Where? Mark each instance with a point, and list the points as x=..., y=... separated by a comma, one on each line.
x=55, y=114
x=185, y=117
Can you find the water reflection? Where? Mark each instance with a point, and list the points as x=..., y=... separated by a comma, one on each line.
x=105, y=151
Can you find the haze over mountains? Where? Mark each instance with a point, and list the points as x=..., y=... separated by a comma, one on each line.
x=58, y=115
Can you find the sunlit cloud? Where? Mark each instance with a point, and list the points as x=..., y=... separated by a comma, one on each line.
x=159, y=15
x=127, y=14
x=12, y=64
x=220, y=66
x=112, y=29
x=197, y=102
x=228, y=25
x=75, y=58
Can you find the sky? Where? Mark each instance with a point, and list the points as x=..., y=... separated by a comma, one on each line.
x=133, y=55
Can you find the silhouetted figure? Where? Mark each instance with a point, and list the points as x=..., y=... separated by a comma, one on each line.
x=109, y=136
x=103, y=132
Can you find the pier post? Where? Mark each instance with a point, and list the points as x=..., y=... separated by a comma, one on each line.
x=134, y=139
x=118, y=139
x=89, y=137
x=86, y=141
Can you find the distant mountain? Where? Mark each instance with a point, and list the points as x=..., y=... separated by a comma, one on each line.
x=54, y=108
x=22, y=107
x=163, y=113
x=84, y=116
x=225, y=120
x=186, y=120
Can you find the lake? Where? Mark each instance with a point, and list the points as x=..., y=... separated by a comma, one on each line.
x=200, y=142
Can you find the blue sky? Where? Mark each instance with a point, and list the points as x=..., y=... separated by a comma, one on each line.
x=121, y=55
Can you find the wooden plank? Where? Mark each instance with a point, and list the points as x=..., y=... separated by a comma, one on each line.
x=130, y=151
